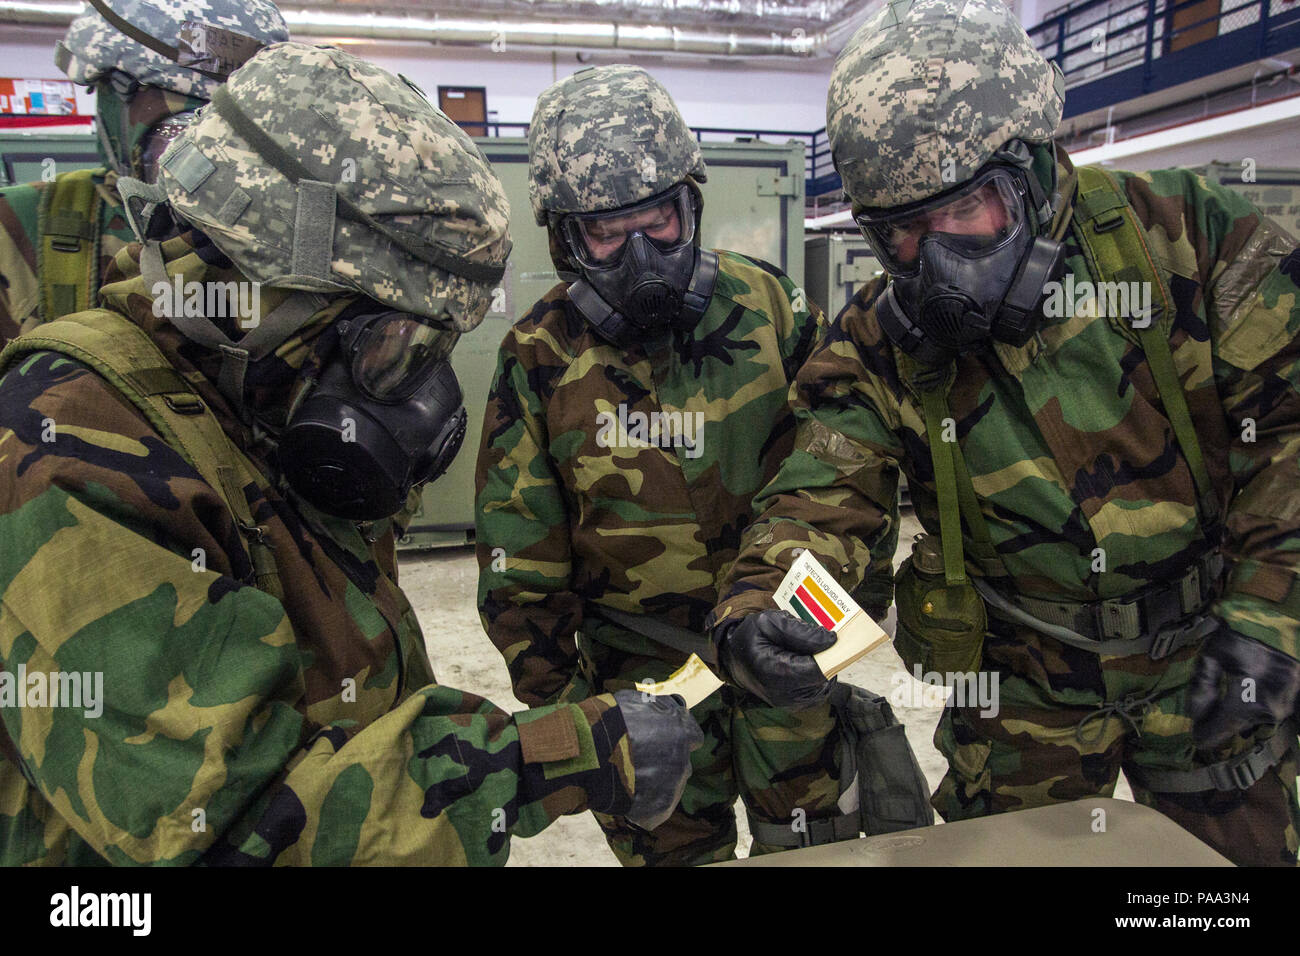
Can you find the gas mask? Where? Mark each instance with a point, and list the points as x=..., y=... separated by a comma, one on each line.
x=966, y=267
x=384, y=415
x=642, y=273
x=135, y=124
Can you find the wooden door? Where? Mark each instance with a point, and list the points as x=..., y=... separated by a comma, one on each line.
x=1205, y=10
x=466, y=106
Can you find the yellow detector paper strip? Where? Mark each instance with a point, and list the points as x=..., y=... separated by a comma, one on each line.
x=858, y=635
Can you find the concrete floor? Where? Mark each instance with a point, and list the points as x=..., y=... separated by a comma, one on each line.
x=441, y=586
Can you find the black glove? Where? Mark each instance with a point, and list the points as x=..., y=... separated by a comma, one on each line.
x=661, y=733
x=1215, y=700
x=770, y=653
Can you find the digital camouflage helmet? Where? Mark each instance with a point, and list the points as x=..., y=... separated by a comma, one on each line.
x=935, y=110
x=151, y=62
x=315, y=170
x=614, y=173
x=318, y=172
x=926, y=91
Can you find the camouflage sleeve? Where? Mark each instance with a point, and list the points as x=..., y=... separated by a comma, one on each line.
x=199, y=748
x=1252, y=274
x=522, y=519
x=836, y=492
x=19, y=290
x=800, y=321
x=800, y=326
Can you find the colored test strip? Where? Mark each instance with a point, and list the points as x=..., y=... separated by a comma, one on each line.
x=811, y=603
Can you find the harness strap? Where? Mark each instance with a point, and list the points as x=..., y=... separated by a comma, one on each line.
x=1127, y=618
x=1236, y=773
x=934, y=402
x=661, y=632
x=68, y=249
x=1155, y=644
x=813, y=832
x=1115, y=242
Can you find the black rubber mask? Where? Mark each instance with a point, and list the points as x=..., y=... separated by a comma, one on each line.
x=965, y=268
x=385, y=415
x=642, y=273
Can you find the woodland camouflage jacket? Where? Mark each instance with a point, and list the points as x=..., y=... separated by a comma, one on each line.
x=1066, y=438
x=235, y=727
x=624, y=479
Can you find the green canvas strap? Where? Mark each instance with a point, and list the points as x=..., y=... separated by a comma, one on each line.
x=943, y=454
x=1161, y=361
x=813, y=832
x=982, y=549
x=123, y=354
x=1115, y=242
x=68, y=248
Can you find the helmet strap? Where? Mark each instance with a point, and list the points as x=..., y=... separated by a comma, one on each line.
x=271, y=331
x=146, y=208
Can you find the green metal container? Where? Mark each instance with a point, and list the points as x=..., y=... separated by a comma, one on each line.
x=1275, y=192
x=30, y=157
x=835, y=266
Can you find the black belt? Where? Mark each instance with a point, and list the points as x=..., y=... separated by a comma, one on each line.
x=661, y=632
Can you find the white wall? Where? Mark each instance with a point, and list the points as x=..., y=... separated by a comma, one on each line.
x=715, y=92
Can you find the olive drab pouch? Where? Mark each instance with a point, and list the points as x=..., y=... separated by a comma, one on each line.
x=878, y=765
x=941, y=625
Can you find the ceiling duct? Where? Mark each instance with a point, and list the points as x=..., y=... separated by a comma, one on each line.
x=700, y=27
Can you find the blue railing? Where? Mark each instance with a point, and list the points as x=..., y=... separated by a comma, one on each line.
x=1116, y=50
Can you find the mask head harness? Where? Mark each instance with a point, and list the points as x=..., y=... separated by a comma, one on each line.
x=385, y=414
x=969, y=265
x=642, y=272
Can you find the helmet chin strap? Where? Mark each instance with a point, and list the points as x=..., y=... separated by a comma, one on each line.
x=272, y=329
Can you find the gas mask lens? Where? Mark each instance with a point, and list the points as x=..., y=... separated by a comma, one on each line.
x=598, y=239
x=156, y=141
x=392, y=353
x=973, y=221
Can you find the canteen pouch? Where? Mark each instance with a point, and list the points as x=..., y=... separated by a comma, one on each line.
x=941, y=626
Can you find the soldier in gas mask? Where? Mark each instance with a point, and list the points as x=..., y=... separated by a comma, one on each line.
x=635, y=410
x=151, y=67
x=1087, y=465
x=199, y=481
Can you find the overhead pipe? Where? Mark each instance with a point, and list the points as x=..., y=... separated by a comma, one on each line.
x=458, y=29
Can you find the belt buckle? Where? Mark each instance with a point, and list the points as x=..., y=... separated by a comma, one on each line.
x=1237, y=775
x=1163, y=643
